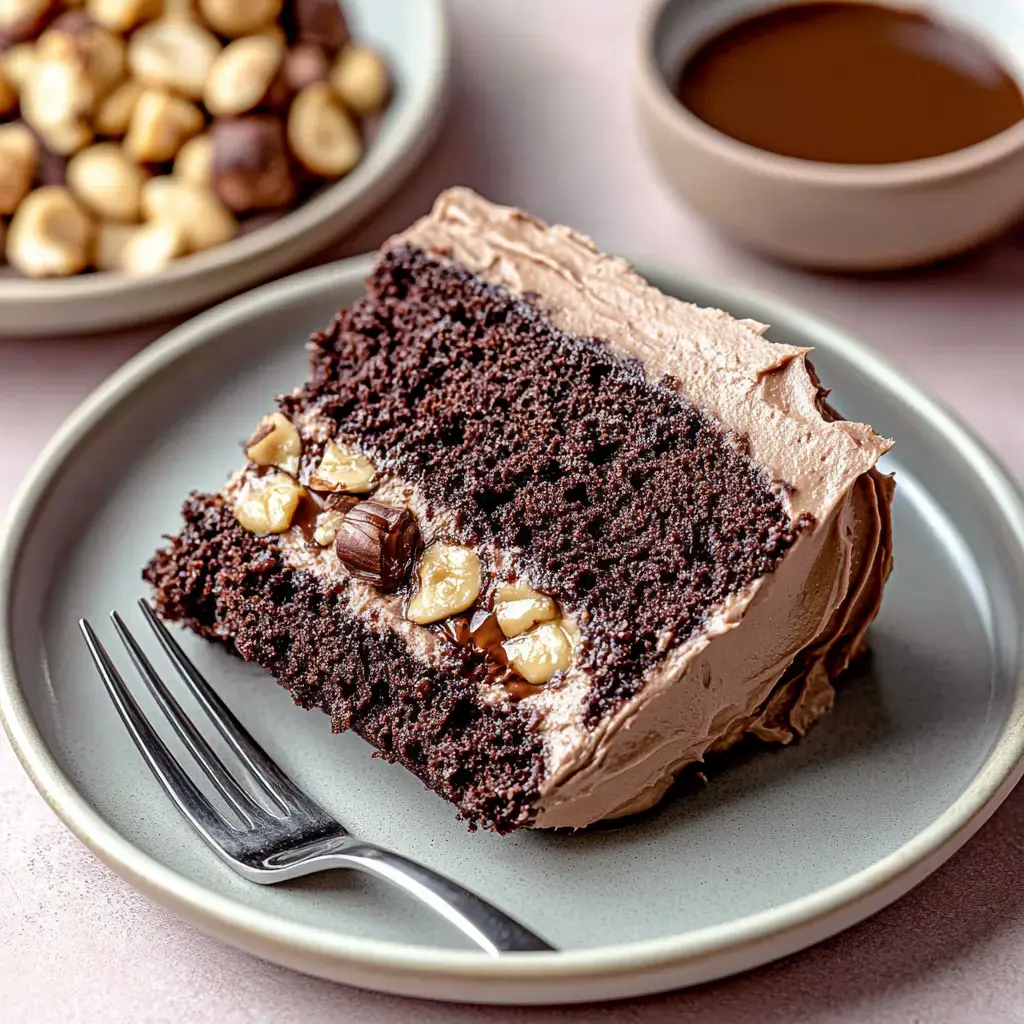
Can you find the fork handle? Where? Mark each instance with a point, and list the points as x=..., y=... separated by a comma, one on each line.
x=490, y=928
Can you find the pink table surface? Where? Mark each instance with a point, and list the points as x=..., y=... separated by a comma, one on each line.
x=542, y=118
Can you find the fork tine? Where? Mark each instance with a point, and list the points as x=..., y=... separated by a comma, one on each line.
x=189, y=800
x=202, y=753
x=276, y=783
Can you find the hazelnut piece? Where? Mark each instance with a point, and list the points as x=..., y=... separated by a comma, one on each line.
x=204, y=220
x=114, y=111
x=320, y=22
x=267, y=504
x=538, y=654
x=322, y=134
x=377, y=543
x=242, y=75
x=251, y=170
x=57, y=97
x=159, y=125
x=74, y=36
x=19, y=158
x=50, y=235
x=122, y=16
x=305, y=64
x=175, y=55
x=106, y=182
x=342, y=469
x=111, y=241
x=151, y=248
x=234, y=18
x=518, y=607
x=194, y=162
x=276, y=443
x=328, y=522
x=16, y=64
x=361, y=80
x=448, y=583
x=24, y=19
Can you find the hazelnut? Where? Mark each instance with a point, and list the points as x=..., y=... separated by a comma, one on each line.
x=179, y=10
x=159, y=126
x=151, y=248
x=100, y=54
x=276, y=442
x=341, y=469
x=50, y=235
x=320, y=22
x=305, y=64
x=204, y=220
x=122, y=16
x=267, y=504
x=106, y=182
x=194, y=162
x=16, y=64
x=518, y=607
x=111, y=241
x=242, y=75
x=377, y=543
x=114, y=111
x=361, y=80
x=540, y=653
x=175, y=55
x=57, y=97
x=251, y=169
x=448, y=583
x=327, y=522
x=8, y=94
x=234, y=18
x=322, y=135
x=19, y=159
x=24, y=19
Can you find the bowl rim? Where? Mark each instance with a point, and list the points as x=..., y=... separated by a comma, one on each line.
x=655, y=90
x=282, y=233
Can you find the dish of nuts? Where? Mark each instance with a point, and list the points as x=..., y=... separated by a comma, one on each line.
x=134, y=132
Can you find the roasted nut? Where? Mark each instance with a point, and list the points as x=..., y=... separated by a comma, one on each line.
x=361, y=80
x=76, y=37
x=111, y=241
x=50, y=235
x=377, y=543
x=327, y=522
x=251, y=169
x=175, y=55
x=122, y=15
x=16, y=63
x=204, y=220
x=114, y=111
x=194, y=162
x=58, y=96
x=320, y=22
x=241, y=77
x=234, y=18
x=321, y=133
x=24, y=19
x=341, y=469
x=152, y=247
x=180, y=10
x=518, y=607
x=276, y=442
x=305, y=64
x=540, y=653
x=106, y=182
x=267, y=504
x=160, y=124
x=8, y=94
x=449, y=582
x=19, y=159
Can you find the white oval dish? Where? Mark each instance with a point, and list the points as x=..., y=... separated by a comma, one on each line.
x=782, y=849
x=414, y=37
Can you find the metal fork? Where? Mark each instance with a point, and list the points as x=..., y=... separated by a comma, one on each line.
x=300, y=837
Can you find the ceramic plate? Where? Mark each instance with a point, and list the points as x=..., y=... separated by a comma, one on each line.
x=413, y=36
x=783, y=848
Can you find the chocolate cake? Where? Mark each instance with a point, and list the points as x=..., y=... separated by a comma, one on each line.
x=540, y=533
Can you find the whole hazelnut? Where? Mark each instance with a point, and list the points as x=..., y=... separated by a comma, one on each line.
x=50, y=235
x=234, y=18
x=106, y=182
x=19, y=158
x=361, y=80
x=243, y=75
x=251, y=170
x=320, y=22
x=322, y=134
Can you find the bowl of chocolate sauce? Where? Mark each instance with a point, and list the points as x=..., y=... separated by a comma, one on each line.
x=840, y=134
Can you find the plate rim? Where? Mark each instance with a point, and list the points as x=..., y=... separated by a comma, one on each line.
x=625, y=969
x=106, y=300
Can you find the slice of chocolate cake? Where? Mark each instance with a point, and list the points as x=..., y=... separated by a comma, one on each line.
x=540, y=533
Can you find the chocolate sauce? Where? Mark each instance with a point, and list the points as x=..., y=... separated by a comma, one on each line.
x=850, y=83
x=482, y=632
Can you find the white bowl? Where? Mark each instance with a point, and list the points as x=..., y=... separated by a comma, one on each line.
x=414, y=37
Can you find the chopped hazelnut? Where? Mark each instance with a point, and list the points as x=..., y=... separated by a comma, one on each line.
x=234, y=18
x=538, y=654
x=448, y=583
x=160, y=124
x=276, y=442
x=343, y=470
x=267, y=504
x=150, y=249
x=518, y=607
x=114, y=111
x=19, y=159
x=201, y=216
x=194, y=162
x=175, y=55
x=251, y=169
x=111, y=241
x=99, y=53
x=122, y=15
x=360, y=79
x=377, y=543
x=106, y=182
x=50, y=235
x=322, y=134
x=58, y=97
x=242, y=75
